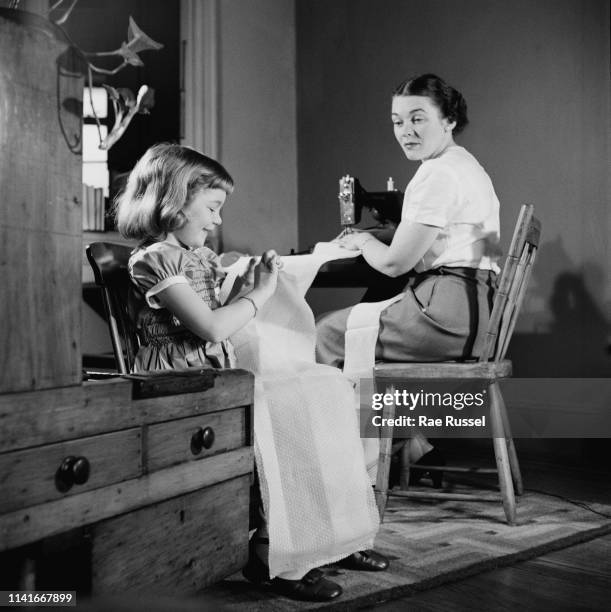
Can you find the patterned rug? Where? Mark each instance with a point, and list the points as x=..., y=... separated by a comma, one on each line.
x=431, y=543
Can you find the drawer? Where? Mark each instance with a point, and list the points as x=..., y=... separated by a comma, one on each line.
x=32, y=476
x=195, y=438
x=176, y=547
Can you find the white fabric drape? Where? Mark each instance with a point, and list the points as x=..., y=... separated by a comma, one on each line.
x=362, y=329
x=317, y=496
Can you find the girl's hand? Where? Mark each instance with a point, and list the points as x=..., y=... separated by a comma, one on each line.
x=355, y=240
x=246, y=280
x=266, y=273
x=272, y=260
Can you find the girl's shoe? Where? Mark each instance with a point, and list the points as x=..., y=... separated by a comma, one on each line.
x=433, y=457
x=312, y=587
x=365, y=560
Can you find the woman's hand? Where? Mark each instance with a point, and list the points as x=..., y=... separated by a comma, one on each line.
x=384, y=233
x=354, y=241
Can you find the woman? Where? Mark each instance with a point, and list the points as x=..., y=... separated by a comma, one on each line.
x=448, y=236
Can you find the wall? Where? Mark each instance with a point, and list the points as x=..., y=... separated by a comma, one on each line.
x=258, y=141
x=535, y=75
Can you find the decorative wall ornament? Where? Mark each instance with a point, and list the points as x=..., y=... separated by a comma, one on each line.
x=125, y=104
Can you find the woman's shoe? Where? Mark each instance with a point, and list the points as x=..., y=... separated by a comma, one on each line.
x=433, y=457
x=365, y=560
x=312, y=587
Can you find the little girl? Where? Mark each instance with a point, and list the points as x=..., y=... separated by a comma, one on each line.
x=173, y=198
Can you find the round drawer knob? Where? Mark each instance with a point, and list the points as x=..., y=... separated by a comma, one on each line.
x=72, y=470
x=80, y=470
x=202, y=438
x=208, y=437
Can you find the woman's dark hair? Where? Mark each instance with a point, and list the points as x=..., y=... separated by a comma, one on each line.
x=449, y=101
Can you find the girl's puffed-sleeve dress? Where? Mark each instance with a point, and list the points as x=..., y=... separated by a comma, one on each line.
x=166, y=343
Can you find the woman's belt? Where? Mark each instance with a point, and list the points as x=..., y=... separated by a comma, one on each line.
x=474, y=274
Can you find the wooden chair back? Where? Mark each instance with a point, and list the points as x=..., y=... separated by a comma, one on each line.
x=109, y=264
x=512, y=284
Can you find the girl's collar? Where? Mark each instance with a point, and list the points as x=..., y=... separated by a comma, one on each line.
x=171, y=239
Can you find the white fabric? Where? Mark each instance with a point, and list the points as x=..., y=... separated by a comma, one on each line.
x=453, y=192
x=317, y=498
x=362, y=328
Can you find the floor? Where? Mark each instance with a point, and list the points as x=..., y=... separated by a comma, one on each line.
x=575, y=578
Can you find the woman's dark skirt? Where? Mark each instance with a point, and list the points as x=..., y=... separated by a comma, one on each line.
x=442, y=316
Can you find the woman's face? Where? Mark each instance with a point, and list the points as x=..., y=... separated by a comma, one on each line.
x=419, y=128
x=203, y=213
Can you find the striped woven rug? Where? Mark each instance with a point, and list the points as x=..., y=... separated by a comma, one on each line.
x=430, y=543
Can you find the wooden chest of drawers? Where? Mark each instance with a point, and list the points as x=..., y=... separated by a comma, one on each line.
x=160, y=483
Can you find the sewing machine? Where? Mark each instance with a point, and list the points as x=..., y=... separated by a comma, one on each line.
x=384, y=206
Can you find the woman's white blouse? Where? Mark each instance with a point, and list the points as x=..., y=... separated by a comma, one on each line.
x=453, y=192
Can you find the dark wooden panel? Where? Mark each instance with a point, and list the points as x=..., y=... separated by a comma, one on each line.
x=45, y=173
x=40, y=324
x=102, y=406
x=170, y=443
x=37, y=522
x=163, y=383
x=40, y=216
x=175, y=547
x=27, y=477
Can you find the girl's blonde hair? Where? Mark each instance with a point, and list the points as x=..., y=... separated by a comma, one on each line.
x=161, y=184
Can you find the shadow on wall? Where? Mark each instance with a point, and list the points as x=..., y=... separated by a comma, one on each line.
x=575, y=342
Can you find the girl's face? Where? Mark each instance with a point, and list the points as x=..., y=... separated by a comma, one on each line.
x=203, y=213
x=419, y=128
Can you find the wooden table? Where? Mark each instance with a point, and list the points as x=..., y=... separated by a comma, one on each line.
x=159, y=483
x=356, y=272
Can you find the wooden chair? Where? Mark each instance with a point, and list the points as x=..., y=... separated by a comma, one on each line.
x=491, y=366
x=109, y=264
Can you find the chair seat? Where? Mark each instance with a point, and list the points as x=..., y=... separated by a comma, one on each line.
x=448, y=369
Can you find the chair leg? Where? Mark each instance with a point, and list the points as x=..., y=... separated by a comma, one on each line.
x=511, y=450
x=404, y=470
x=501, y=455
x=384, y=458
x=27, y=575
x=516, y=474
x=381, y=488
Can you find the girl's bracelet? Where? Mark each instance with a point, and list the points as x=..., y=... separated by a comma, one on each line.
x=245, y=297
